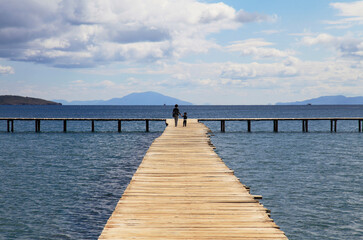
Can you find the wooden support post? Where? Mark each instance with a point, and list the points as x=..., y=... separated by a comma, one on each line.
x=360, y=125
x=331, y=125
x=335, y=125
x=64, y=125
x=147, y=125
x=119, y=125
x=223, y=125
x=37, y=126
x=93, y=125
x=12, y=125
x=249, y=125
x=306, y=125
x=8, y=125
x=303, y=126
x=276, y=125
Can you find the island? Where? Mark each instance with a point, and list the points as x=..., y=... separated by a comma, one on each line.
x=139, y=98
x=19, y=100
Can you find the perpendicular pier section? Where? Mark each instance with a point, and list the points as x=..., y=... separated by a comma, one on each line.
x=183, y=190
x=37, y=121
x=305, y=121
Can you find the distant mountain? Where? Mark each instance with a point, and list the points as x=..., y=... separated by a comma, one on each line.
x=328, y=100
x=144, y=98
x=18, y=100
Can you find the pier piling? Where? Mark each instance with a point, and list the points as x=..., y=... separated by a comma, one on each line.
x=223, y=125
x=37, y=125
x=64, y=125
x=333, y=125
x=305, y=126
x=147, y=125
x=276, y=126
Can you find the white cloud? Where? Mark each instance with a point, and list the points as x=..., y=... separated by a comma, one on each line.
x=6, y=70
x=257, y=70
x=257, y=48
x=351, y=13
x=322, y=38
x=346, y=46
x=289, y=76
x=352, y=9
x=67, y=33
x=243, y=16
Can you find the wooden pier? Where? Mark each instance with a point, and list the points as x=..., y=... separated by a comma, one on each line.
x=304, y=121
x=10, y=122
x=183, y=190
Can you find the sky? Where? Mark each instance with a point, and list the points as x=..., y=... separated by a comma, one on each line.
x=244, y=52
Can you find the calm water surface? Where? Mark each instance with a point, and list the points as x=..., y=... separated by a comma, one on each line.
x=56, y=185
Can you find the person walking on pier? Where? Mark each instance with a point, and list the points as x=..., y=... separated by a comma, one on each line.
x=185, y=119
x=176, y=114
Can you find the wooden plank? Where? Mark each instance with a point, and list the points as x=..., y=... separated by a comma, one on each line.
x=183, y=190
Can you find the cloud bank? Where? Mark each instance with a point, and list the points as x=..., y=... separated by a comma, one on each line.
x=347, y=46
x=258, y=49
x=351, y=13
x=85, y=33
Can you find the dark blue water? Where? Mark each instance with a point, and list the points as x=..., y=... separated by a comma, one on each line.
x=56, y=185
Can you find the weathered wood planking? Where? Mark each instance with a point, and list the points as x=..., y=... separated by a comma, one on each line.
x=183, y=190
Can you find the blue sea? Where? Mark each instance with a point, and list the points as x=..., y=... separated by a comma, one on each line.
x=56, y=185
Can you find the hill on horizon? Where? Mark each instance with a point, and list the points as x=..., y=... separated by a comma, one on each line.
x=142, y=98
x=19, y=100
x=328, y=100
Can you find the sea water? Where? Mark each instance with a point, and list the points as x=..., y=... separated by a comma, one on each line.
x=56, y=185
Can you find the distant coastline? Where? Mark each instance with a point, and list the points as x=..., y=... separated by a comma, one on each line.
x=328, y=100
x=157, y=99
x=19, y=100
x=141, y=98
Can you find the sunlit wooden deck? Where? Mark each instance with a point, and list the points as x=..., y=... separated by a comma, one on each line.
x=183, y=190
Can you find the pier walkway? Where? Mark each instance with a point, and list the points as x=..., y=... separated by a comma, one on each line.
x=183, y=190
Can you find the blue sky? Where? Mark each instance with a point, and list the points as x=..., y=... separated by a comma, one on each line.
x=205, y=52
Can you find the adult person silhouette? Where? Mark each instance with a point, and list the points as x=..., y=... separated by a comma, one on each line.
x=176, y=114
